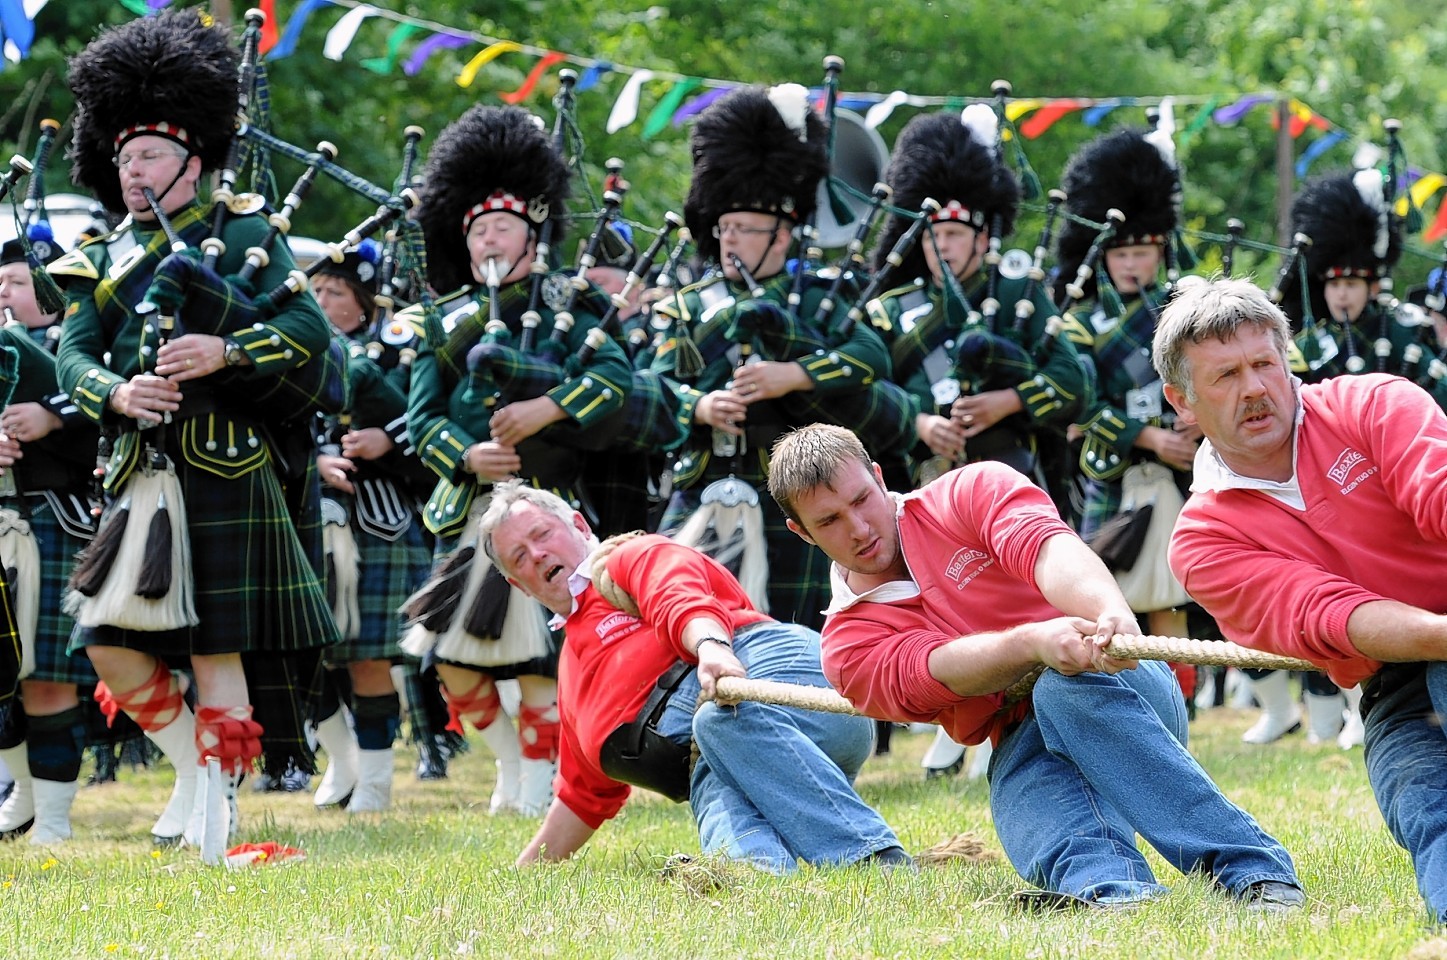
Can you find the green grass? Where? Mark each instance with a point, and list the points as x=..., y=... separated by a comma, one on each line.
x=434, y=878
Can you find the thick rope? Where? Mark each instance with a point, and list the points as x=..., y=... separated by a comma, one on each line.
x=1217, y=653
x=734, y=690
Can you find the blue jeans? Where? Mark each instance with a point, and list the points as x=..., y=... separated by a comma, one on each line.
x=1100, y=759
x=774, y=785
x=1406, y=756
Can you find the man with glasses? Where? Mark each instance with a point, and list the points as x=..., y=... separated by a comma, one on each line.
x=151, y=120
x=742, y=348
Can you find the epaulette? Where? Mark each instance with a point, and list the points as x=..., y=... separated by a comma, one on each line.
x=77, y=263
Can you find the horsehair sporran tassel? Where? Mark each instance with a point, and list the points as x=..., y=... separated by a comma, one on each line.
x=95, y=561
x=155, y=577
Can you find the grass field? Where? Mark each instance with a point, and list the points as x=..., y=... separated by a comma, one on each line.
x=434, y=878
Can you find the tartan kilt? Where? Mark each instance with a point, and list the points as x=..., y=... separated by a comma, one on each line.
x=798, y=571
x=53, y=662
x=390, y=571
x=1102, y=501
x=255, y=586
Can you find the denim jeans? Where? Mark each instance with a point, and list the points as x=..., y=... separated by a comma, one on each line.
x=774, y=785
x=1406, y=755
x=1101, y=758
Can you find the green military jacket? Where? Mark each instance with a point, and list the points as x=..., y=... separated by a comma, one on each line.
x=449, y=407
x=105, y=343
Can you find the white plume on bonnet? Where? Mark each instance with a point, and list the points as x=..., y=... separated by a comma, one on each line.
x=792, y=102
x=1162, y=137
x=1369, y=184
x=983, y=124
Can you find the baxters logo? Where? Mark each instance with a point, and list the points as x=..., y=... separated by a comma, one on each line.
x=1342, y=469
x=962, y=560
x=616, y=626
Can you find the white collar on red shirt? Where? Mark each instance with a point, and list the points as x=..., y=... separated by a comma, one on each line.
x=1212, y=474
x=843, y=596
x=578, y=581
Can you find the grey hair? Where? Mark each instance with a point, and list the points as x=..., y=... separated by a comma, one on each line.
x=808, y=458
x=1211, y=310
x=507, y=497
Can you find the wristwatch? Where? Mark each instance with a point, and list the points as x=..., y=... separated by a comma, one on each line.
x=719, y=640
x=234, y=355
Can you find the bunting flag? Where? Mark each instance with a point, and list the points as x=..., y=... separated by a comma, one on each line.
x=698, y=104
x=661, y=114
x=1232, y=113
x=1097, y=113
x=1438, y=228
x=425, y=49
x=399, y=36
x=1319, y=146
x=1016, y=109
x=18, y=29
x=880, y=111
x=592, y=75
x=291, y=36
x=625, y=108
x=1419, y=193
x=268, y=28
x=1046, y=117
x=484, y=57
x=523, y=92
x=340, y=36
x=1302, y=117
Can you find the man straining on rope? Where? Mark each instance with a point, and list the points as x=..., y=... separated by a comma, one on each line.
x=771, y=785
x=947, y=597
x=1317, y=527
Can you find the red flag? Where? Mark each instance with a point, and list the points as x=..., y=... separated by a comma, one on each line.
x=1438, y=229
x=536, y=74
x=1044, y=118
x=269, y=33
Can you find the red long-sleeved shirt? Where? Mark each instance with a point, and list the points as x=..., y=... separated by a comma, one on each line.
x=1371, y=465
x=970, y=539
x=612, y=659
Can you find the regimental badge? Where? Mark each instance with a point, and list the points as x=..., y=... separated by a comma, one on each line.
x=40, y=248
x=1015, y=264
x=365, y=272
x=945, y=391
x=397, y=333
x=537, y=209
x=244, y=203
x=555, y=290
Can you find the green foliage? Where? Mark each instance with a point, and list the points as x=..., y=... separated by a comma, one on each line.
x=1355, y=63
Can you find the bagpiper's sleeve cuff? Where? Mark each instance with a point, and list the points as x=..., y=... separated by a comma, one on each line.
x=833, y=371
x=441, y=449
x=588, y=398
x=1043, y=398
x=92, y=393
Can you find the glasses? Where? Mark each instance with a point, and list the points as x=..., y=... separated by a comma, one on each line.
x=721, y=230
x=145, y=158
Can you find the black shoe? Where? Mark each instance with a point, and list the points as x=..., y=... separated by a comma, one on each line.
x=1273, y=896
x=891, y=859
x=432, y=761
x=15, y=833
x=935, y=773
x=1054, y=901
